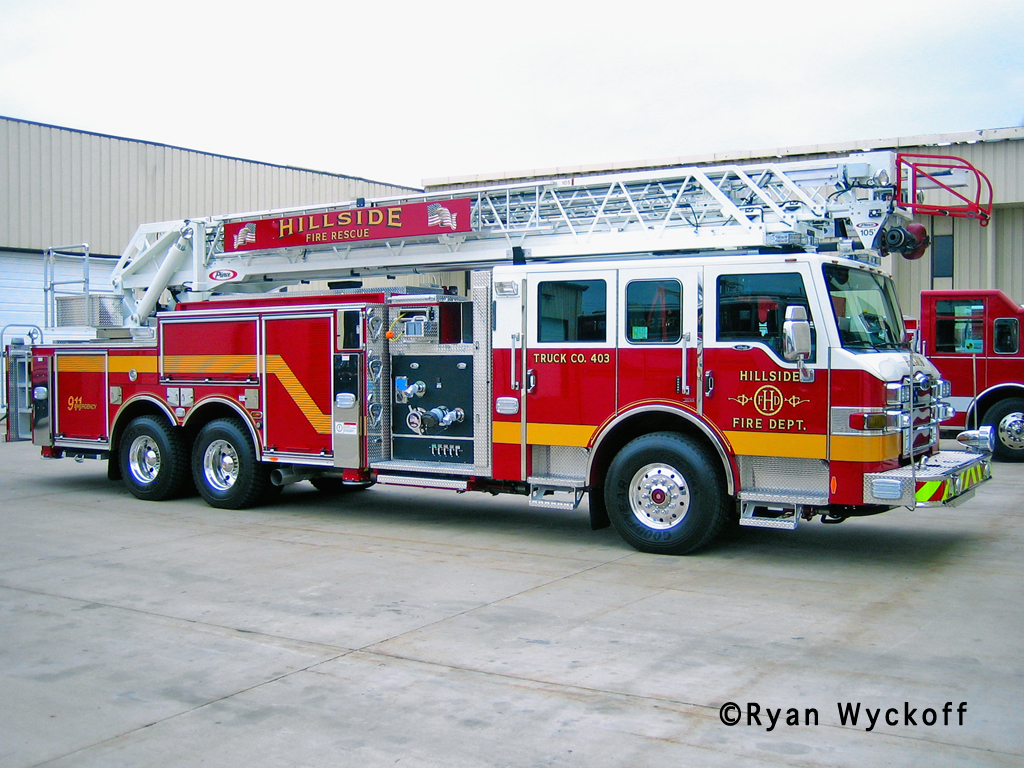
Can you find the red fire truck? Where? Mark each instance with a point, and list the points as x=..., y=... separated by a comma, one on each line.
x=693, y=347
x=974, y=339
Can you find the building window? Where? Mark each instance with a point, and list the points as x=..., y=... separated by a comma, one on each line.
x=942, y=256
x=653, y=311
x=572, y=310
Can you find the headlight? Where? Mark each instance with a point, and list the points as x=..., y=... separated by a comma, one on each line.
x=897, y=392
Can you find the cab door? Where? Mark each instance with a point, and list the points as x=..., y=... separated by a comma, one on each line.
x=569, y=355
x=749, y=390
x=959, y=352
x=658, y=336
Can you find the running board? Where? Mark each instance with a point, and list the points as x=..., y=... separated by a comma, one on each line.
x=423, y=482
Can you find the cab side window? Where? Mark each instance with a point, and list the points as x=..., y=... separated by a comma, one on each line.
x=654, y=310
x=753, y=307
x=960, y=326
x=1006, y=336
x=572, y=310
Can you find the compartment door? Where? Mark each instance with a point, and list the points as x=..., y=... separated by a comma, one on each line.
x=80, y=399
x=298, y=377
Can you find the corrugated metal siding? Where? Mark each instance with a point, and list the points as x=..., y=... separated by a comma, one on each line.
x=1001, y=161
x=61, y=186
x=1010, y=253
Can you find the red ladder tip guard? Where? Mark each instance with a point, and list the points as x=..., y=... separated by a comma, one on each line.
x=942, y=172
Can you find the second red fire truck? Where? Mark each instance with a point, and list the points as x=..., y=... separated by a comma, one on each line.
x=691, y=347
x=973, y=336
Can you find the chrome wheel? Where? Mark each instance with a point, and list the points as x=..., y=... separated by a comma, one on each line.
x=152, y=459
x=659, y=496
x=144, y=459
x=220, y=465
x=1011, y=431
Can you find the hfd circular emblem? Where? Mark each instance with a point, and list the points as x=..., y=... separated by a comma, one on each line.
x=768, y=400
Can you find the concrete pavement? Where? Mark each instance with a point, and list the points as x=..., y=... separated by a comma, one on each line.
x=424, y=628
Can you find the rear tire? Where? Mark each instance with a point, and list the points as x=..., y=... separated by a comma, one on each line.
x=665, y=495
x=153, y=459
x=225, y=468
x=1007, y=420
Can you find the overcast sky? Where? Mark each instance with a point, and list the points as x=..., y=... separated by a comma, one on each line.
x=402, y=91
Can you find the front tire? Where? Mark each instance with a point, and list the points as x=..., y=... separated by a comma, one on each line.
x=1007, y=420
x=664, y=494
x=225, y=468
x=153, y=459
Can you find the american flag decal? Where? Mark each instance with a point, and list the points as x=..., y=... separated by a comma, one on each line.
x=439, y=216
x=246, y=234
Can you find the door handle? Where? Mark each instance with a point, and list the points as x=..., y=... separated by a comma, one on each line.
x=709, y=383
x=515, y=379
x=531, y=380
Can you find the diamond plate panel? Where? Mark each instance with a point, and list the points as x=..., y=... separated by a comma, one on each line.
x=783, y=479
x=480, y=293
x=94, y=310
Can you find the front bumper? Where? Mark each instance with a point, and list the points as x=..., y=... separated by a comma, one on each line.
x=944, y=479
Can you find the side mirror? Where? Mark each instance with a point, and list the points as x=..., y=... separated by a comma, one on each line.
x=796, y=334
x=796, y=339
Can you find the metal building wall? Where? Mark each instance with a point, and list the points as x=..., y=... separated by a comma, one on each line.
x=998, y=153
x=60, y=186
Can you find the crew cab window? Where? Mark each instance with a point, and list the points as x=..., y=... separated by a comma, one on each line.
x=572, y=310
x=752, y=307
x=1006, y=336
x=654, y=310
x=960, y=326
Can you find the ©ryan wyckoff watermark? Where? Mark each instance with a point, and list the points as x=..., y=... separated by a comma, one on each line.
x=851, y=714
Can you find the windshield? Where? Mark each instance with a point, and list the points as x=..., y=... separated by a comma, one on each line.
x=866, y=309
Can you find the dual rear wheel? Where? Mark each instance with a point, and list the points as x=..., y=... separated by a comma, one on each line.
x=156, y=465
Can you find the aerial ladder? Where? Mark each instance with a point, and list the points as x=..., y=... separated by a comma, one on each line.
x=860, y=205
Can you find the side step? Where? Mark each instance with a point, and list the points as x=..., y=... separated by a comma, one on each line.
x=556, y=492
x=760, y=515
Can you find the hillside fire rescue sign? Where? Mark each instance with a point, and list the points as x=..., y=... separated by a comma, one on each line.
x=345, y=225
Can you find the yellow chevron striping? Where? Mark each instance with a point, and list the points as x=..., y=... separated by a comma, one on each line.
x=207, y=365
x=927, y=490
x=321, y=421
